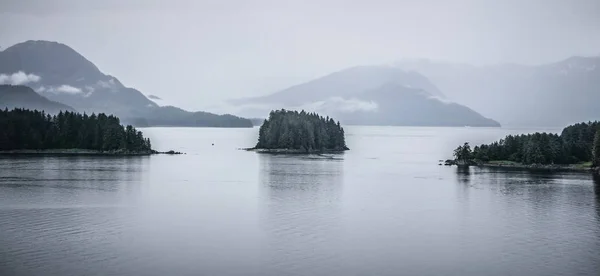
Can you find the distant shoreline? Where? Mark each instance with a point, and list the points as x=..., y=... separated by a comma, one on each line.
x=82, y=152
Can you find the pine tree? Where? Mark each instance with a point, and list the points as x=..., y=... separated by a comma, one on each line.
x=463, y=154
x=596, y=149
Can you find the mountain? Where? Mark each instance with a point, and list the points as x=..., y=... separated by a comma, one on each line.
x=347, y=82
x=373, y=95
x=173, y=116
x=61, y=74
x=18, y=96
x=554, y=94
x=403, y=106
x=257, y=121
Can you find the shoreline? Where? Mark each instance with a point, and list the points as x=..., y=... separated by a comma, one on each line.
x=293, y=151
x=566, y=168
x=82, y=152
x=547, y=167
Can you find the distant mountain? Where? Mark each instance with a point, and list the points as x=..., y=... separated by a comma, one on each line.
x=18, y=96
x=555, y=94
x=257, y=121
x=346, y=83
x=65, y=76
x=373, y=95
x=398, y=105
x=173, y=116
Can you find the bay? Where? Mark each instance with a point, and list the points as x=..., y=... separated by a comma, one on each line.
x=383, y=208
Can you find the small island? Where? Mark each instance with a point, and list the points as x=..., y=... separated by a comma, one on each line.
x=300, y=132
x=577, y=148
x=25, y=131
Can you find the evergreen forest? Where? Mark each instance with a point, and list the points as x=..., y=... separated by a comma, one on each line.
x=579, y=143
x=301, y=131
x=22, y=129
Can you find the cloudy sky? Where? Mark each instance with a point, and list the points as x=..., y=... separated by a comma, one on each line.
x=196, y=54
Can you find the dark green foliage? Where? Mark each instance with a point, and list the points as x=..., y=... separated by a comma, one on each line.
x=463, y=153
x=574, y=145
x=34, y=130
x=596, y=149
x=301, y=131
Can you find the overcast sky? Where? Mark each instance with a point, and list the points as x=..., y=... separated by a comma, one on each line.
x=197, y=53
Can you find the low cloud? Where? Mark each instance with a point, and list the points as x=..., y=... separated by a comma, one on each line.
x=89, y=90
x=68, y=89
x=341, y=105
x=61, y=89
x=105, y=84
x=332, y=106
x=112, y=85
x=18, y=78
x=443, y=100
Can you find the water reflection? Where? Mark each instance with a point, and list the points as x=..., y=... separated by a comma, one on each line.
x=301, y=211
x=596, y=178
x=551, y=210
x=463, y=174
x=63, y=215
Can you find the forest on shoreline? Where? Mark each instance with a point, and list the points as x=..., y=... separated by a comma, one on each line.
x=31, y=130
x=577, y=144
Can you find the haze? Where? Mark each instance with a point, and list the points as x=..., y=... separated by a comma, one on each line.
x=197, y=54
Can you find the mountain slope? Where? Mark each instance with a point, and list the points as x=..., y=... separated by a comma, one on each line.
x=173, y=116
x=346, y=83
x=403, y=106
x=66, y=76
x=373, y=95
x=18, y=96
x=553, y=94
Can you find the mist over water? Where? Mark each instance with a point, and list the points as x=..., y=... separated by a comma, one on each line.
x=383, y=208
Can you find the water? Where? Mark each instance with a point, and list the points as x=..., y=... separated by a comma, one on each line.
x=383, y=208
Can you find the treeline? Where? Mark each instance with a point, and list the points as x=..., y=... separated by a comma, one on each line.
x=577, y=143
x=22, y=129
x=302, y=131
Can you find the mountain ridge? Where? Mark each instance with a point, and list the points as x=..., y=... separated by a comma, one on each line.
x=19, y=96
x=67, y=77
x=521, y=95
x=357, y=95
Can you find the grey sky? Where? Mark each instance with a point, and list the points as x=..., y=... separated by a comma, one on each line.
x=195, y=54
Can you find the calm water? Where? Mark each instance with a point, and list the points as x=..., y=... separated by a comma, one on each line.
x=383, y=208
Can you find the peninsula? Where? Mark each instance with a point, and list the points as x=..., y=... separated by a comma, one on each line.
x=577, y=148
x=24, y=131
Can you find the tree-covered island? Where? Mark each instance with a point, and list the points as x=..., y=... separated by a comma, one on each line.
x=576, y=148
x=32, y=131
x=300, y=132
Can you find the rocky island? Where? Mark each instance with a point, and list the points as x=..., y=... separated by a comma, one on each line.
x=577, y=148
x=300, y=132
x=24, y=131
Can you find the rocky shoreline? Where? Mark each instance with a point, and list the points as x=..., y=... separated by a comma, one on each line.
x=84, y=152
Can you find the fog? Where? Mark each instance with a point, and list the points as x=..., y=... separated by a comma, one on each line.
x=197, y=54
